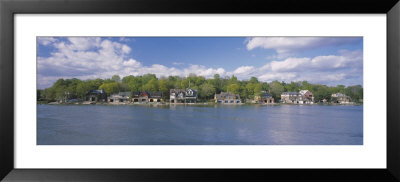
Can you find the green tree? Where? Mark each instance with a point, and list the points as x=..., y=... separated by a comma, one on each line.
x=293, y=87
x=257, y=89
x=216, y=82
x=234, y=88
x=39, y=94
x=152, y=85
x=355, y=92
x=341, y=88
x=253, y=80
x=206, y=91
x=81, y=89
x=233, y=80
x=135, y=83
x=110, y=88
x=116, y=78
x=163, y=87
x=321, y=92
x=250, y=89
x=276, y=89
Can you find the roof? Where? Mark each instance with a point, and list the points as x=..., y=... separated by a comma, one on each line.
x=339, y=95
x=135, y=94
x=187, y=93
x=224, y=94
x=146, y=93
x=290, y=93
x=155, y=94
x=124, y=94
x=265, y=94
x=302, y=92
x=97, y=92
x=191, y=92
x=140, y=94
x=176, y=90
x=121, y=94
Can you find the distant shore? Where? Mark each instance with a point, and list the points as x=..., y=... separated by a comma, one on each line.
x=197, y=104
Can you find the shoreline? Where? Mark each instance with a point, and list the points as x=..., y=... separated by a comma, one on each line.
x=198, y=104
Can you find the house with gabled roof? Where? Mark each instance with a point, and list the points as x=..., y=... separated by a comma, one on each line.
x=121, y=97
x=340, y=98
x=155, y=96
x=292, y=98
x=96, y=96
x=183, y=96
x=227, y=98
x=140, y=97
x=264, y=98
x=308, y=96
x=145, y=97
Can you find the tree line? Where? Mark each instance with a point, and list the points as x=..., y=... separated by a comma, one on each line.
x=206, y=88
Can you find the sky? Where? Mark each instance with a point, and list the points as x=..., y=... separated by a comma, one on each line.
x=320, y=60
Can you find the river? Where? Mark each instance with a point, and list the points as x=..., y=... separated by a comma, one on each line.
x=199, y=125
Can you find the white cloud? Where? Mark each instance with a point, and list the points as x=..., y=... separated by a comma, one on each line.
x=126, y=49
x=46, y=40
x=320, y=69
x=89, y=58
x=287, y=45
x=271, y=76
x=244, y=70
x=131, y=63
x=81, y=43
x=202, y=71
x=329, y=69
x=289, y=64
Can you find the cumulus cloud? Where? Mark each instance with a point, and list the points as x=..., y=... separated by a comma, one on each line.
x=93, y=57
x=243, y=69
x=320, y=69
x=285, y=45
x=46, y=40
x=88, y=58
x=328, y=69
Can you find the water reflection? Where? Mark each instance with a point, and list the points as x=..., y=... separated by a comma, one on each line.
x=200, y=125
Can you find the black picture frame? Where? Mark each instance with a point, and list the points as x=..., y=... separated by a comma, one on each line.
x=10, y=7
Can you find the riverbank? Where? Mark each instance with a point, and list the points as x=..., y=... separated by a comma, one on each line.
x=195, y=104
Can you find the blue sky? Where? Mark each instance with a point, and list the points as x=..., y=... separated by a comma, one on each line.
x=324, y=60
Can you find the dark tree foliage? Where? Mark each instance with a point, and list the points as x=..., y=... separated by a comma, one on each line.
x=206, y=88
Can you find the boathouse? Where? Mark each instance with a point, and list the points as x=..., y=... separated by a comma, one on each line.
x=96, y=96
x=307, y=96
x=292, y=97
x=183, y=96
x=145, y=97
x=340, y=98
x=121, y=97
x=264, y=98
x=227, y=98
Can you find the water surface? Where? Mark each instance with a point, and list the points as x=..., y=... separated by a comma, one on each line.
x=199, y=125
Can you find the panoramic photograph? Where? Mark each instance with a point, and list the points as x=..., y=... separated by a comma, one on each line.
x=199, y=90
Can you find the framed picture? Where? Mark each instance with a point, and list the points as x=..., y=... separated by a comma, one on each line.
x=155, y=90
